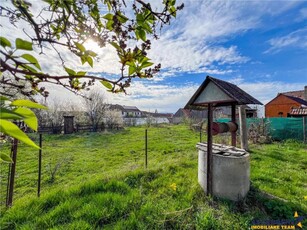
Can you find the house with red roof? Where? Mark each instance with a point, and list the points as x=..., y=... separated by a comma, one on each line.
x=288, y=104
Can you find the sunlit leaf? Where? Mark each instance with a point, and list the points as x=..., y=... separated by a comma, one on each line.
x=32, y=60
x=23, y=44
x=108, y=85
x=81, y=73
x=29, y=117
x=27, y=67
x=131, y=70
x=12, y=130
x=109, y=25
x=28, y=104
x=80, y=47
x=172, y=11
x=70, y=71
x=146, y=64
x=8, y=114
x=122, y=18
x=4, y=42
x=91, y=53
x=89, y=61
x=83, y=59
x=108, y=16
x=142, y=34
x=5, y=158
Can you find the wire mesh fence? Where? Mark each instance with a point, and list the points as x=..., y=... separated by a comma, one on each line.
x=79, y=157
x=276, y=128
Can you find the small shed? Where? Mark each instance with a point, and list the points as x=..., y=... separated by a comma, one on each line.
x=68, y=124
x=215, y=93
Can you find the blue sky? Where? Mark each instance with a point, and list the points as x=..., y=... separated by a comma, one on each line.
x=259, y=45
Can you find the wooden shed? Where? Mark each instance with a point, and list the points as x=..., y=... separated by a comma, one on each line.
x=282, y=104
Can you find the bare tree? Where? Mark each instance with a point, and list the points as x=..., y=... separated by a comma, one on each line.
x=114, y=118
x=95, y=108
x=53, y=117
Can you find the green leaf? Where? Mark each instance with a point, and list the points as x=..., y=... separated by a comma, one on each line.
x=81, y=73
x=91, y=53
x=109, y=25
x=32, y=60
x=8, y=114
x=131, y=70
x=5, y=158
x=27, y=67
x=146, y=64
x=70, y=71
x=115, y=45
x=4, y=42
x=80, y=47
x=122, y=18
x=28, y=104
x=83, y=59
x=142, y=34
x=3, y=98
x=146, y=27
x=29, y=117
x=108, y=16
x=89, y=61
x=172, y=11
x=108, y=85
x=23, y=44
x=12, y=130
x=139, y=18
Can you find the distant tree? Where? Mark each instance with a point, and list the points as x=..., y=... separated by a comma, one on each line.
x=53, y=117
x=95, y=107
x=113, y=118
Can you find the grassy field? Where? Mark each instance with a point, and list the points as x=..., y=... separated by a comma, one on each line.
x=98, y=181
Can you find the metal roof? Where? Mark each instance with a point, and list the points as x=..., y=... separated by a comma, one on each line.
x=236, y=95
x=298, y=100
x=299, y=111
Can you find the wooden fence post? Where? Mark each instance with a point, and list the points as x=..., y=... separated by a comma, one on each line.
x=243, y=128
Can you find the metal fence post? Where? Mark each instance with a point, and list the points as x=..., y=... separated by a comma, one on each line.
x=146, y=146
x=12, y=173
x=39, y=165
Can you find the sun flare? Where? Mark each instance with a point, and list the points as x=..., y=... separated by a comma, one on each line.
x=90, y=44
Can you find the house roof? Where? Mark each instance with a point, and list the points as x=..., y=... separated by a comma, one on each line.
x=185, y=112
x=124, y=108
x=298, y=100
x=130, y=108
x=166, y=115
x=235, y=94
x=298, y=93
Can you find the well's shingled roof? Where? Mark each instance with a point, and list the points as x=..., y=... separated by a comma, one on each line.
x=239, y=96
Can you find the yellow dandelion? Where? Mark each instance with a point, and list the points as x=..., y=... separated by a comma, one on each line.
x=173, y=186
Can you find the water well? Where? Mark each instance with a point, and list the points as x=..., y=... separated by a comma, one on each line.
x=223, y=171
x=230, y=171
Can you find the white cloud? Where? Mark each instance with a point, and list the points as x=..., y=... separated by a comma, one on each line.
x=297, y=38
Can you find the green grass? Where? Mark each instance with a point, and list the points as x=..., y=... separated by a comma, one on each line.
x=101, y=183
